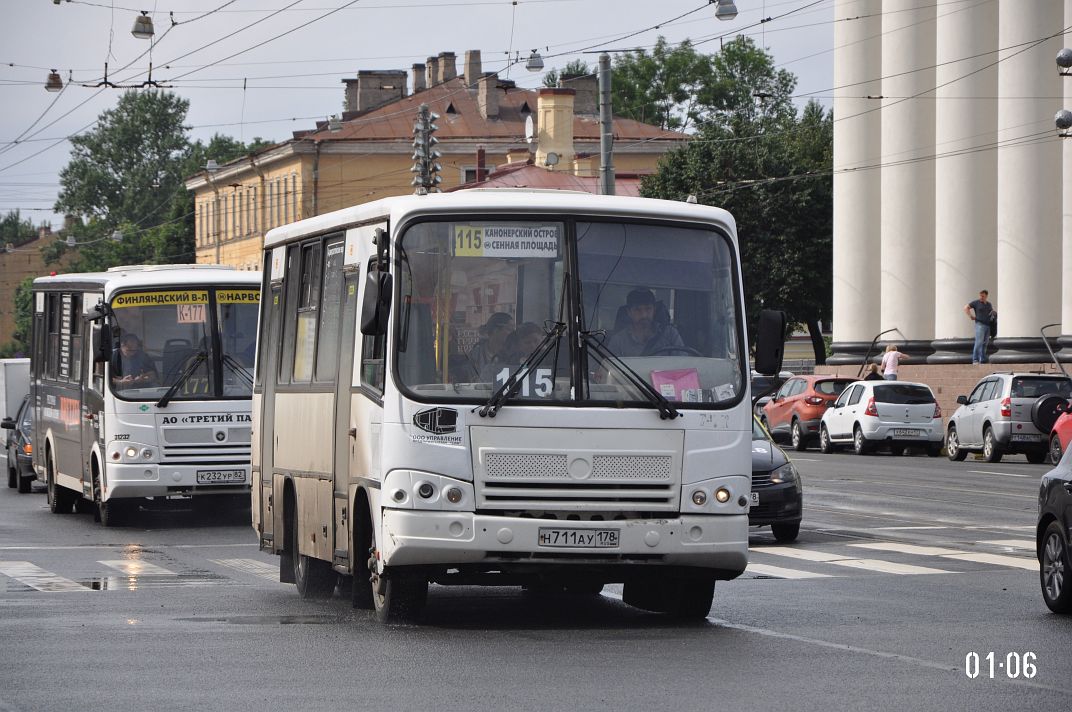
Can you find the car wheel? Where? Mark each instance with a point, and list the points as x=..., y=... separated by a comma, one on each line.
x=12, y=477
x=991, y=450
x=1037, y=457
x=24, y=484
x=859, y=443
x=1055, y=449
x=798, y=438
x=825, y=445
x=1054, y=570
x=785, y=532
x=953, y=450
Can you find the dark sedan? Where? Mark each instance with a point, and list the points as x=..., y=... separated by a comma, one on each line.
x=1052, y=534
x=777, y=492
x=18, y=445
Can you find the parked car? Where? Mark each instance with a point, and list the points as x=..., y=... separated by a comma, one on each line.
x=1051, y=536
x=896, y=414
x=794, y=412
x=996, y=418
x=1061, y=436
x=18, y=446
x=777, y=492
x=764, y=387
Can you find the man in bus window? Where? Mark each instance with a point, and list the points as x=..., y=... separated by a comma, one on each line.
x=644, y=335
x=131, y=366
x=490, y=350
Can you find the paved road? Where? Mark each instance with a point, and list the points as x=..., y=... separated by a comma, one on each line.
x=903, y=567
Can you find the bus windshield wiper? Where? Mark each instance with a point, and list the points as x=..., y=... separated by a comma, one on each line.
x=201, y=356
x=511, y=385
x=238, y=368
x=665, y=408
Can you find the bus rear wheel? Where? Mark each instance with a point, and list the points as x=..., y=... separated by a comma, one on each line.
x=60, y=499
x=314, y=578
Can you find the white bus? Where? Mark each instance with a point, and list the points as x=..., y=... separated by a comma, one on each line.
x=538, y=389
x=141, y=384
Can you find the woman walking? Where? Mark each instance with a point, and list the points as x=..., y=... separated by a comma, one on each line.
x=890, y=361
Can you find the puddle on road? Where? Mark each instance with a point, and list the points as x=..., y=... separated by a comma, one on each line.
x=268, y=620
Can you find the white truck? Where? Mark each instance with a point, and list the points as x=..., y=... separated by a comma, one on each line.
x=14, y=385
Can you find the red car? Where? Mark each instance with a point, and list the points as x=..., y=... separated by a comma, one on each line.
x=1060, y=436
x=794, y=412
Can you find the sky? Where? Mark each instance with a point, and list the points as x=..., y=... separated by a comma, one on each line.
x=291, y=55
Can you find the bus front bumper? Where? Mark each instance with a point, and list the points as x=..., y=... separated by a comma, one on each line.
x=452, y=538
x=153, y=480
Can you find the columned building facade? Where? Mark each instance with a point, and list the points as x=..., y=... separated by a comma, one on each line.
x=950, y=178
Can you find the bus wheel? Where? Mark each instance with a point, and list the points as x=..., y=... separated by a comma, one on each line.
x=360, y=588
x=687, y=599
x=396, y=597
x=60, y=499
x=83, y=506
x=314, y=578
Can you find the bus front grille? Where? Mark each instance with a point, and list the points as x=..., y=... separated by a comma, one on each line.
x=207, y=454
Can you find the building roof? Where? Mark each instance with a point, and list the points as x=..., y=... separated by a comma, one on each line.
x=526, y=175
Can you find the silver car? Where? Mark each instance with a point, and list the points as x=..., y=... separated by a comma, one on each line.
x=995, y=419
x=868, y=414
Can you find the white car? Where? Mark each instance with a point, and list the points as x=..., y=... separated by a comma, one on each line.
x=897, y=414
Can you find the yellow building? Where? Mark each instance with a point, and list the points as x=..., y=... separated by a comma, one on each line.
x=367, y=155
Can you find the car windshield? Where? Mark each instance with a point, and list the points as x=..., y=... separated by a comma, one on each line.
x=832, y=387
x=200, y=341
x=26, y=421
x=903, y=394
x=758, y=433
x=1037, y=386
x=657, y=311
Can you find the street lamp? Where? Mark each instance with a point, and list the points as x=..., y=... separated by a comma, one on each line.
x=535, y=63
x=53, y=83
x=726, y=10
x=1064, y=62
x=143, y=26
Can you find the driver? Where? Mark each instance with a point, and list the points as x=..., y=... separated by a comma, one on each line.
x=131, y=366
x=644, y=336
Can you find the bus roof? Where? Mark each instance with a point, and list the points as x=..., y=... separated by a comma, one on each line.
x=134, y=276
x=500, y=200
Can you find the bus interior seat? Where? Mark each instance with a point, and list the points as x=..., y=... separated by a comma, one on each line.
x=175, y=354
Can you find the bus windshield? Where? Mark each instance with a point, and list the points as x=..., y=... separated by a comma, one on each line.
x=200, y=341
x=648, y=307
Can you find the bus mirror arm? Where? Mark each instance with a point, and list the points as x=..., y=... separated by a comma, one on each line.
x=376, y=304
x=770, y=342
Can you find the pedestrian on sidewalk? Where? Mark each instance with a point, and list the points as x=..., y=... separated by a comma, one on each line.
x=872, y=373
x=982, y=312
x=890, y=361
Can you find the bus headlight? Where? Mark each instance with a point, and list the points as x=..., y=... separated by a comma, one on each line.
x=411, y=489
x=454, y=495
x=722, y=495
x=699, y=498
x=131, y=452
x=147, y=453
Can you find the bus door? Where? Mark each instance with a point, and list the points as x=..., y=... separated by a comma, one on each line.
x=269, y=355
x=92, y=393
x=345, y=430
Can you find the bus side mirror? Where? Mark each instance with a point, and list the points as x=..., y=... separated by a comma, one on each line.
x=101, y=335
x=770, y=342
x=377, y=304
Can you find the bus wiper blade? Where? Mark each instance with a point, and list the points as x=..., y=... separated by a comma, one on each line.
x=201, y=356
x=665, y=408
x=511, y=385
x=238, y=368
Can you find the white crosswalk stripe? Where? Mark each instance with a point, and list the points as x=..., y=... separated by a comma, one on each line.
x=251, y=566
x=136, y=567
x=1028, y=544
x=780, y=572
x=876, y=565
x=1015, y=562
x=37, y=578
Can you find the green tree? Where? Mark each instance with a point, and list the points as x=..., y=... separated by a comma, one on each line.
x=575, y=67
x=20, y=338
x=15, y=231
x=772, y=170
x=670, y=88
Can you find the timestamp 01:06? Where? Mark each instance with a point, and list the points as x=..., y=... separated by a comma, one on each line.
x=1013, y=665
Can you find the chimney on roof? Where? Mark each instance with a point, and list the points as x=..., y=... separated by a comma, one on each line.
x=44, y=231
x=431, y=69
x=487, y=96
x=554, y=128
x=418, y=78
x=587, y=88
x=472, y=68
x=374, y=88
x=447, y=67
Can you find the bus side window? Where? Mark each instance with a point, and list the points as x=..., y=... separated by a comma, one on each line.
x=53, y=305
x=308, y=306
x=76, y=338
x=327, y=345
x=373, y=352
x=291, y=279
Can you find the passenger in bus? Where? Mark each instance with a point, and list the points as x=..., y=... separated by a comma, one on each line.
x=491, y=349
x=131, y=366
x=523, y=342
x=644, y=335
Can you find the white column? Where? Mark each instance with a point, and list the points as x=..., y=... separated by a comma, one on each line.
x=857, y=144
x=1066, y=260
x=908, y=58
x=965, y=225
x=1028, y=291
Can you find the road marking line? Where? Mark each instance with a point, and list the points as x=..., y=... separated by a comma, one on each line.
x=1004, y=474
x=805, y=554
x=1016, y=562
x=251, y=566
x=907, y=548
x=882, y=529
x=887, y=567
x=37, y=578
x=779, y=572
x=805, y=459
x=134, y=567
x=1028, y=544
